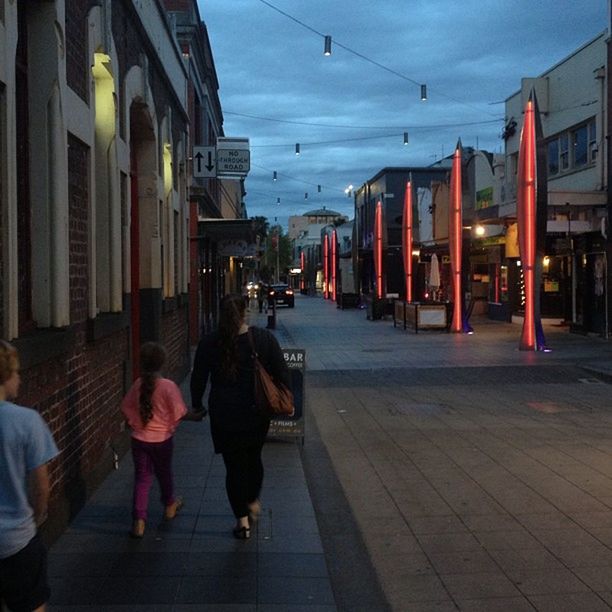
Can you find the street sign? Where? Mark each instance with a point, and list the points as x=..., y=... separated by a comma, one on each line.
x=204, y=162
x=233, y=157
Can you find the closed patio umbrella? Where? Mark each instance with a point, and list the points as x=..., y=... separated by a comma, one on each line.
x=434, y=272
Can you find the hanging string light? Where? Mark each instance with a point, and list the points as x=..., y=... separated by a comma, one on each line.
x=306, y=196
x=274, y=175
x=423, y=92
x=327, y=52
x=297, y=148
x=277, y=201
x=319, y=188
x=405, y=138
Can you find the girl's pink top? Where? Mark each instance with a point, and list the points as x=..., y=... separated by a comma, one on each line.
x=168, y=409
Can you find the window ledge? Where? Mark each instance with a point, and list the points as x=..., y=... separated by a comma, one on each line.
x=44, y=345
x=106, y=324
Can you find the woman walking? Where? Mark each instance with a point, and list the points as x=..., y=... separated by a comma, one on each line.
x=153, y=408
x=238, y=429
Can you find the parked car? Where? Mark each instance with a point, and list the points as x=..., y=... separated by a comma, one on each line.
x=281, y=294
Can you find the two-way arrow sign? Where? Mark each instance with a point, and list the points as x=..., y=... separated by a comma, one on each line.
x=204, y=162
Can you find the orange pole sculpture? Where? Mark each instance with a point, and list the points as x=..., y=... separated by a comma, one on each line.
x=378, y=250
x=455, y=231
x=407, y=239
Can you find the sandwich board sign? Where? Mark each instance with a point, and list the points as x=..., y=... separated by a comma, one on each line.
x=284, y=427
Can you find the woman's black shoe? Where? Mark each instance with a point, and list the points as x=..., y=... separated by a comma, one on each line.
x=242, y=533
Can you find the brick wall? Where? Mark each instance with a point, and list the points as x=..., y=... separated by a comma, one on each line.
x=76, y=45
x=78, y=198
x=175, y=337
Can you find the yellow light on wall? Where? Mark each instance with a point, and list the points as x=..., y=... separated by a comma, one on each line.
x=167, y=158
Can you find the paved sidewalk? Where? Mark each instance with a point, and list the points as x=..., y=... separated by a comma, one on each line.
x=445, y=471
x=479, y=476
x=193, y=563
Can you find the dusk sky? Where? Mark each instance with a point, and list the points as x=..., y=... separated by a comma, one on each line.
x=348, y=114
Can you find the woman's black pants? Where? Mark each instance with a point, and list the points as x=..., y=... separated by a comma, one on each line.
x=244, y=476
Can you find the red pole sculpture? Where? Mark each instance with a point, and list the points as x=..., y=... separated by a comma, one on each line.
x=455, y=231
x=303, y=271
x=334, y=263
x=407, y=239
x=531, y=213
x=378, y=250
x=326, y=267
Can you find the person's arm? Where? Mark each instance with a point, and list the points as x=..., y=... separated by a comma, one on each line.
x=38, y=492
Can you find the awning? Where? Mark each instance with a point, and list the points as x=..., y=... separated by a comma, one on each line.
x=234, y=237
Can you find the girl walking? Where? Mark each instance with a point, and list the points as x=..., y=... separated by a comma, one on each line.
x=153, y=408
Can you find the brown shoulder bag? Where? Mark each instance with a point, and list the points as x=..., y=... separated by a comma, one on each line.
x=271, y=398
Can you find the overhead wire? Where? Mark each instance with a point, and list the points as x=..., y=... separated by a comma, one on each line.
x=368, y=59
x=366, y=127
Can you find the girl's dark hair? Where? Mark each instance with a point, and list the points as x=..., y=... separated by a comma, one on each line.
x=231, y=315
x=152, y=359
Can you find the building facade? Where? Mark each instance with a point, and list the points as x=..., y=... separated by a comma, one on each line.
x=573, y=112
x=94, y=231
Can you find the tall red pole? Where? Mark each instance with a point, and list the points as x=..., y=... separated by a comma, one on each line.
x=407, y=239
x=378, y=250
x=455, y=231
x=326, y=267
x=526, y=212
x=303, y=271
x=334, y=264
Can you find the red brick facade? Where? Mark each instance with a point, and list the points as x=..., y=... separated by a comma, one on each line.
x=77, y=376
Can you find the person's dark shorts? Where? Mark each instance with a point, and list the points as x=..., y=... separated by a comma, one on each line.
x=23, y=578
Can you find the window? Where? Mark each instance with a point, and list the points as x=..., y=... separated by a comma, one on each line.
x=579, y=143
x=573, y=149
x=564, y=151
x=592, y=141
x=553, y=157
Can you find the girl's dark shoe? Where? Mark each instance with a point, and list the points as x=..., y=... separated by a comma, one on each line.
x=242, y=533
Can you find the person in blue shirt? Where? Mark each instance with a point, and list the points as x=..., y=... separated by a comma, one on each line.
x=26, y=446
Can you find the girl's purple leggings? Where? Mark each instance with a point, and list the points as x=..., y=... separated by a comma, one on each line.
x=151, y=458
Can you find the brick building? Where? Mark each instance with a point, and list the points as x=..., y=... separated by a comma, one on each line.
x=94, y=215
